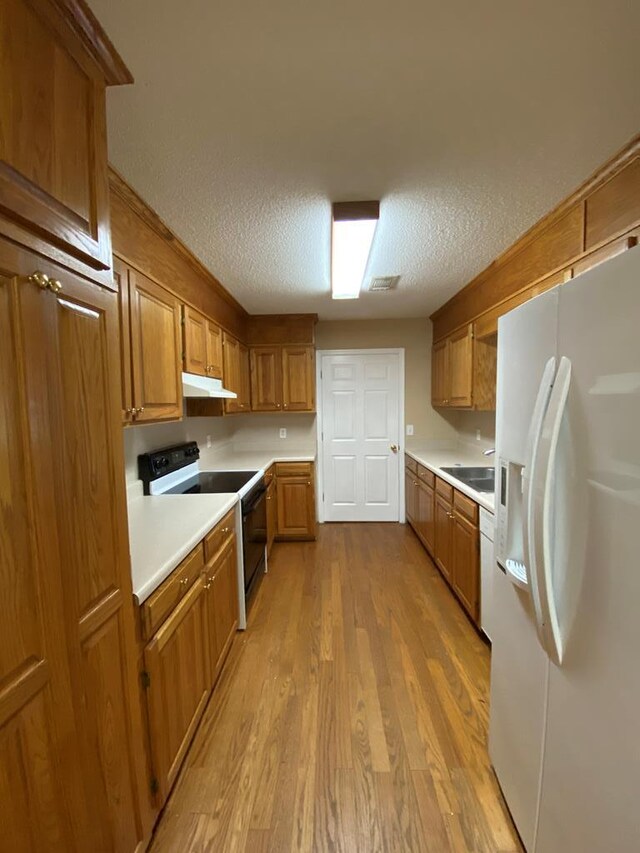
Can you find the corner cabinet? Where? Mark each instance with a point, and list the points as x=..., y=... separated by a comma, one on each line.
x=283, y=378
x=202, y=344
x=150, y=348
x=463, y=371
x=296, y=500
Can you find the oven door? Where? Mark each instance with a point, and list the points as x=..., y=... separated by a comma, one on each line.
x=254, y=534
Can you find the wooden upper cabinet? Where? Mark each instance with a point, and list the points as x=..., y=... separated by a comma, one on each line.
x=266, y=379
x=155, y=350
x=214, y=350
x=440, y=373
x=231, y=357
x=53, y=156
x=194, y=328
x=461, y=368
x=121, y=279
x=245, y=379
x=298, y=380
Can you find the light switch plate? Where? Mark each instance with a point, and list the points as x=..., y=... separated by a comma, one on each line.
x=409, y=429
x=283, y=432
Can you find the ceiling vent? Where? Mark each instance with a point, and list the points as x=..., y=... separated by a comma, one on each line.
x=384, y=282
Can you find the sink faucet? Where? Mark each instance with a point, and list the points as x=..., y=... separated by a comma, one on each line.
x=489, y=452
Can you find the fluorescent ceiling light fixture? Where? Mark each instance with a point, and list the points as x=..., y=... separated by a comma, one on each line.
x=352, y=229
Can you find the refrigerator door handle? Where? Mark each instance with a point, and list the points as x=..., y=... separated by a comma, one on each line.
x=541, y=494
x=533, y=442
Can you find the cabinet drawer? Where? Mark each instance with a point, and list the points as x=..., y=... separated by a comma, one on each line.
x=465, y=506
x=159, y=605
x=294, y=469
x=411, y=464
x=223, y=530
x=443, y=488
x=426, y=475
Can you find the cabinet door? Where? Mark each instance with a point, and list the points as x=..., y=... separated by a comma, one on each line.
x=98, y=597
x=461, y=368
x=221, y=586
x=231, y=356
x=443, y=544
x=156, y=345
x=465, y=563
x=245, y=379
x=53, y=158
x=296, y=508
x=41, y=790
x=195, y=341
x=272, y=514
x=426, y=500
x=440, y=374
x=177, y=662
x=266, y=379
x=121, y=280
x=298, y=381
x=214, y=350
x=410, y=490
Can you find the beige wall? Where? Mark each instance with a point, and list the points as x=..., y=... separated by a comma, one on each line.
x=415, y=337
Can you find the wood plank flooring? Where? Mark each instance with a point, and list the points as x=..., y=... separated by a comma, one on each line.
x=352, y=716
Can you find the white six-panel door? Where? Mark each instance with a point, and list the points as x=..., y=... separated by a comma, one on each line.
x=361, y=423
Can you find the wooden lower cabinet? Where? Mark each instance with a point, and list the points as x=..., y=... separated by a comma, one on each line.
x=465, y=564
x=221, y=586
x=296, y=501
x=411, y=497
x=272, y=512
x=426, y=515
x=178, y=675
x=443, y=535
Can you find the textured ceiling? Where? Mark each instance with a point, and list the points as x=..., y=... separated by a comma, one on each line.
x=468, y=120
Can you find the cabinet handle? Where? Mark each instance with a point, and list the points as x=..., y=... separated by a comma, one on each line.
x=139, y=411
x=43, y=281
x=207, y=586
x=309, y=483
x=129, y=411
x=285, y=406
x=184, y=581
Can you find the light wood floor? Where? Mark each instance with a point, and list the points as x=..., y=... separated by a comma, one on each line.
x=352, y=715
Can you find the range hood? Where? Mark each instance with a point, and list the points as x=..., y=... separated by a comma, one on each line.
x=204, y=386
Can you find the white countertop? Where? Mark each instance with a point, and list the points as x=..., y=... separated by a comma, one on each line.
x=163, y=529
x=436, y=460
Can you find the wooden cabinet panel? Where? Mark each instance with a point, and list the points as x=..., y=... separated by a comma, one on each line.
x=98, y=597
x=231, y=357
x=214, y=350
x=410, y=463
x=298, y=381
x=155, y=350
x=266, y=379
x=485, y=369
x=121, y=280
x=461, y=368
x=194, y=328
x=221, y=587
x=426, y=515
x=296, y=508
x=465, y=562
x=177, y=663
x=218, y=537
x=411, y=497
x=443, y=535
x=160, y=604
x=272, y=514
x=245, y=379
x=613, y=207
x=53, y=160
x=40, y=784
x=440, y=374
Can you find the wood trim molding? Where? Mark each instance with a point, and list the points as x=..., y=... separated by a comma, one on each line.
x=606, y=172
x=133, y=200
x=88, y=29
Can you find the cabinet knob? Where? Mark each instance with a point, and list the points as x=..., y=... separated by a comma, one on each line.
x=207, y=586
x=285, y=406
x=43, y=281
x=139, y=411
x=184, y=581
x=129, y=411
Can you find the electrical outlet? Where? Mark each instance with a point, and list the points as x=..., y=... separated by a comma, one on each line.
x=208, y=441
x=283, y=432
x=478, y=436
x=409, y=429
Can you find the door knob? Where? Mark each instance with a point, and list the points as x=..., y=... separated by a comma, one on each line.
x=394, y=448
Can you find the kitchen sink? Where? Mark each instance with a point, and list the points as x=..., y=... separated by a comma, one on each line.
x=482, y=479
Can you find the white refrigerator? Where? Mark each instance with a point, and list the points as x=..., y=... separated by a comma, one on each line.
x=564, y=734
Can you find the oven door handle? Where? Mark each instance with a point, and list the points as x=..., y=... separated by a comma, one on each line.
x=254, y=502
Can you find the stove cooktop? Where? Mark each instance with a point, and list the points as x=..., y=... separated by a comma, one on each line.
x=212, y=482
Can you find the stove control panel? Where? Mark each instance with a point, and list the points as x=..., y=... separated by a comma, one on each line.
x=153, y=465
